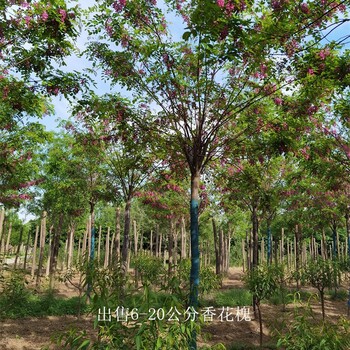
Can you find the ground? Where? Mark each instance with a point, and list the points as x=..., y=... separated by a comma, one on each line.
x=34, y=333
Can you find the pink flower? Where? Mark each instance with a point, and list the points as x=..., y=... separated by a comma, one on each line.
x=28, y=19
x=221, y=3
x=324, y=53
x=278, y=101
x=119, y=5
x=304, y=8
x=44, y=16
x=310, y=71
x=63, y=14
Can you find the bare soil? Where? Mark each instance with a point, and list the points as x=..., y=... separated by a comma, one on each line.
x=35, y=333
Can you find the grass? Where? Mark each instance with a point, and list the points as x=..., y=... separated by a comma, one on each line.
x=231, y=297
x=32, y=305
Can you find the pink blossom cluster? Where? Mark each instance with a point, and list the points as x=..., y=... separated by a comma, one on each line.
x=278, y=101
x=30, y=183
x=291, y=47
x=312, y=110
x=277, y=5
x=323, y=54
x=173, y=187
x=63, y=14
x=305, y=152
x=119, y=5
x=304, y=7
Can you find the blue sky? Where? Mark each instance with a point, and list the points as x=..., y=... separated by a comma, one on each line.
x=62, y=106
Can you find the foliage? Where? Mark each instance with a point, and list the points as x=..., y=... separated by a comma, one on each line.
x=150, y=268
x=17, y=301
x=209, y=281
x=137, y=333
x=305, y=334
x=262, y=281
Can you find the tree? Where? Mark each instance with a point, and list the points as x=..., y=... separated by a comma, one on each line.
x=118, y=129
x=224, y=63
x=34, y=39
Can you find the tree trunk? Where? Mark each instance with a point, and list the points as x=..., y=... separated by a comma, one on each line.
x=26, y=253
x=34, y=250
x=183, y=238
x=2, y=219
x=71, y=247
x=125, y=249
x=47, y=273
x=175, y=247
x=170, y=248
x=19, y=244
x=92, y=231
x=269, y=245
x=216, y=247
x=117, y=234
x=157, y=241
x=99, y=245
x=8, y=239
x=42, y=245
x=221, y=250
x=335, y=245
x=347, y=220
x=282, y=245
x=107, y=249
x=255, y=236
x=55, y=248
x=195, y=264
x=298, y=250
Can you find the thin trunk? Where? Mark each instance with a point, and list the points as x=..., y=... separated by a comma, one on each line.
x=262, y=251
x=216, y=247
x=34, y=250
x=255, y=236
x=42, y=245
x=71, y=247
x=89, y=236
x=269, y=245
x=8, y=239
x=183, y=238
x=175, y=247
x=221, y=250
x=298, y=250
x=170, y=248
x=47, y=271
x=324, y=245
x=19, y=245
x=83, y=248
x=107, y=249
x=282, y=245
x=99, y=245
x=243, y=255
x=125, y=249
x=26, y=252
x=117, y=234
x=157, y=242
x=347, y=220
x=151, y=243
x=55, y=249
x=334, y=231
x=136, y=237
x=160, y=243
x=2, y=219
